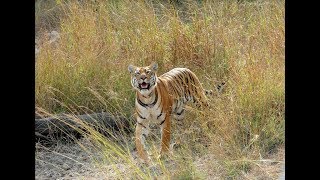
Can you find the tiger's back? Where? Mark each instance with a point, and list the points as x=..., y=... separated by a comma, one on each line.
x=184, y=86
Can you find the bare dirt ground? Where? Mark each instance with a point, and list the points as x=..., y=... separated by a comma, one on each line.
x=82, y=161
x=78, y=160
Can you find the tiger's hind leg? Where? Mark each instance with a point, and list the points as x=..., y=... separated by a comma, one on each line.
x=179, y=116
x=180, y=113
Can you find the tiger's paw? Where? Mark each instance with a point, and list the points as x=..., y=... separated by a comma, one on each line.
x=146, y=160
x=141, y=159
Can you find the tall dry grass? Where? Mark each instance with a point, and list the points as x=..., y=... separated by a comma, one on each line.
x=240, y=43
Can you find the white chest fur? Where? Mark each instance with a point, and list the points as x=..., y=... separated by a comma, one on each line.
x=151, y=113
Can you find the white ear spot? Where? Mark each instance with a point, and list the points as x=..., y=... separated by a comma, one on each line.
x=131, y=68
x=154, y=66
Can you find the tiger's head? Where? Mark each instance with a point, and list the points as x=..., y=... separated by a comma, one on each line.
x=144, y=79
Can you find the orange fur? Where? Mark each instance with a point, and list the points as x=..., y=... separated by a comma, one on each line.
x=160, y=97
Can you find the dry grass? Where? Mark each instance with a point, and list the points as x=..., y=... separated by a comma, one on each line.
x=241, y=43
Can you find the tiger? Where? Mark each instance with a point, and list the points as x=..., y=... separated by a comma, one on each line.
x=160, y=97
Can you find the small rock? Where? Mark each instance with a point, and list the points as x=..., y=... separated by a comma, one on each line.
x=65, y=166
x=53, y=36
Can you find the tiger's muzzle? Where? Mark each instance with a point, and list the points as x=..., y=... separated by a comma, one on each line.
x=144, y=85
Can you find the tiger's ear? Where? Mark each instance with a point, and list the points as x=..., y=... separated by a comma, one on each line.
x=131, y=68
x=154, y=66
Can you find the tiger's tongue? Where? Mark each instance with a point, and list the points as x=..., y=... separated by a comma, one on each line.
x=144, y=85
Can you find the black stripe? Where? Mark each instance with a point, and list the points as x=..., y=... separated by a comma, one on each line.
x=159, y=115
x=150, y=105
x=140, y=116
x=187, y=94
x=193, y=84
x=176, y=102
x=174, y=89
x=162, y=121
x=145, y=136
x=191, y=78
x=220, y=86
x=181, y=89
x=181, y=78
x=141, y=125
x=141, y=103
x=155, y=101
x=180, y=112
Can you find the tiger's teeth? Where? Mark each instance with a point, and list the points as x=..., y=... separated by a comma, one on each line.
x=144, y=85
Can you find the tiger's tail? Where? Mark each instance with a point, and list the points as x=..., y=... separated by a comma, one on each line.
x=218, y=89
x=203, y=97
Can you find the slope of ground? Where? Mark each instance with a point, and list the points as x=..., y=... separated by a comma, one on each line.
x=71, y=161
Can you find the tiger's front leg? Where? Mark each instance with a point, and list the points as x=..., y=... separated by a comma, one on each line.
x=165, y=134
x=141, y=134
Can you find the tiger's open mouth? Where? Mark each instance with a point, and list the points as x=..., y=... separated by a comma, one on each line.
x=144, y=85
